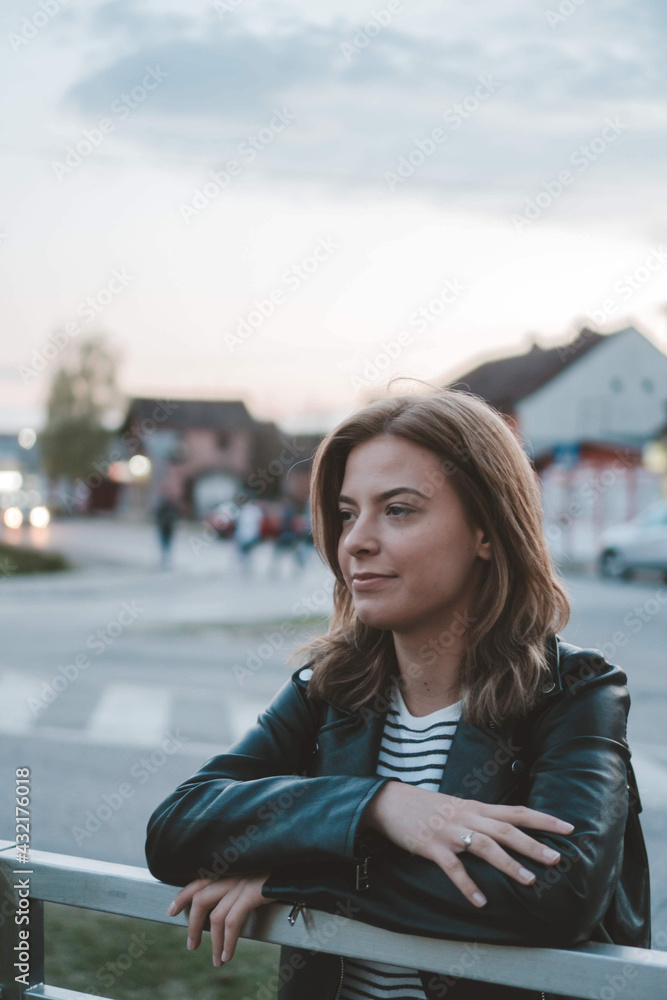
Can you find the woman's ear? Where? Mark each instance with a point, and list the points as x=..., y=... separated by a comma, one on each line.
x=484, y=546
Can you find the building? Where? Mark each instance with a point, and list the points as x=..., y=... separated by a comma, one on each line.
x=203, y=453
x=585, y=413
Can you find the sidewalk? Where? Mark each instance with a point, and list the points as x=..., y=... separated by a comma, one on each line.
x=205, y=584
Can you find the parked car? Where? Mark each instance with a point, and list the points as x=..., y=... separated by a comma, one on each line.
x=638, y=544
x=20, y=515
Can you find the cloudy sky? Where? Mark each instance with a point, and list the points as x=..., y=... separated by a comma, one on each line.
x=290, y=203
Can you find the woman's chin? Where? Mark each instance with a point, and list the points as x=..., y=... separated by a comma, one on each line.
x=374, y=617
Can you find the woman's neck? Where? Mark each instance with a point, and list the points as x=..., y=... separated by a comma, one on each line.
x=428, y=682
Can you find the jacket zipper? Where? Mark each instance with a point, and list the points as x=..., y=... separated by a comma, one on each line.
x=361, y=874
x=294, y=912
x=342, y=971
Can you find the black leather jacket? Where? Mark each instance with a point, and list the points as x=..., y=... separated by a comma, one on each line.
x=289, y=796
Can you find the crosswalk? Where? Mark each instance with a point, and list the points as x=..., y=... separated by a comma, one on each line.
x=127, y=714
x=651, y=774
x=17, y=693
x=142, y=715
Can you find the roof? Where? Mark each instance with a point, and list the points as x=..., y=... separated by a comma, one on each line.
x=223, y=414
x=506, y=381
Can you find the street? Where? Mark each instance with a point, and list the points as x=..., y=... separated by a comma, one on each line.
x=118, y=680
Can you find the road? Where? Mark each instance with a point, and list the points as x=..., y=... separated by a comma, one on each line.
x=118, y=680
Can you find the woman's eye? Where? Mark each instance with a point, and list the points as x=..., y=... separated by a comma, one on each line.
x=401, y=510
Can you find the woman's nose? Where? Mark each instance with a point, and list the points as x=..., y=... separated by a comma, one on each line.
x=361, y=536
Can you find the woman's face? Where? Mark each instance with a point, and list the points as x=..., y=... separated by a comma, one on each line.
x=418, y=538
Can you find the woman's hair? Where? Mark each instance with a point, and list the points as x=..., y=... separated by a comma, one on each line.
x=521, y=600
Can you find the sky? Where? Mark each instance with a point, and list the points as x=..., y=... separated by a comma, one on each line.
x=289, y=204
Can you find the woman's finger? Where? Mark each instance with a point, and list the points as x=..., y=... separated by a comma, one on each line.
x=454, y=870
x=242, y=906
x=221, y=928
x=510, y=836
x=184, y=896
x=248, y=899
x=202, y=904
x=525, y=816
x=486, y=847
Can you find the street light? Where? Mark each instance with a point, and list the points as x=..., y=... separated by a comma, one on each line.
x=27, y=437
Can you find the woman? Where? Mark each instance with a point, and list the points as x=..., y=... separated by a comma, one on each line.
x=440, y=716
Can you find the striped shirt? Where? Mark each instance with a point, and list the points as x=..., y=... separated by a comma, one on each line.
x=414, y=749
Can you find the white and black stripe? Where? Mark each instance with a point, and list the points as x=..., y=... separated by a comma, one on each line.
x=415, y=750
x=364, y=980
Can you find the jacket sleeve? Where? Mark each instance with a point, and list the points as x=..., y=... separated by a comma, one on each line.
x=578, y=774
x=251, y=808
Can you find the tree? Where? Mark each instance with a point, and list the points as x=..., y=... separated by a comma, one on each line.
x=83, y=394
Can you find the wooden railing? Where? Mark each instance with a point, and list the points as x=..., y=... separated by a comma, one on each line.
x=591, y=971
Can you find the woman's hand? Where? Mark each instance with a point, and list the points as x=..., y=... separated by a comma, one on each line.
x=227, y=902
x=432, y=824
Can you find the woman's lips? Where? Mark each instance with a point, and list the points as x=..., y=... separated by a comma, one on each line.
x=370, y=582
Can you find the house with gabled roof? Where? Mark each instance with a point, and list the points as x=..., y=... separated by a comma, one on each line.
x=584, y=411
x=203, y=452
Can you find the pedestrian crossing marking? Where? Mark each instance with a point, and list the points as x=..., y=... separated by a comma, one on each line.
x=124, y=714
x=651, y=775
x=17, y=692
x=130, y=713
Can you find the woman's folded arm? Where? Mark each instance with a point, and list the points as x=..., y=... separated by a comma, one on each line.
x=251, y=807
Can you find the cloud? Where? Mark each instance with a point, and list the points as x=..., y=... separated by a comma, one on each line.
x=364, y=98
x=227, y=72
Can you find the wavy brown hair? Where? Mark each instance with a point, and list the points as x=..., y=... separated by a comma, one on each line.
x=521, y=600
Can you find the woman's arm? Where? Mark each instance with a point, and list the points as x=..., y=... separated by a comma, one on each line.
x=578, y=774
x=250, y=808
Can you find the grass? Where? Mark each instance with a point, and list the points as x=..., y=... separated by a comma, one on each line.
x=16, y=559
x=128, y=959
x=245, y=628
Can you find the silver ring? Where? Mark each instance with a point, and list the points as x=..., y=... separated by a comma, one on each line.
x=467, y=840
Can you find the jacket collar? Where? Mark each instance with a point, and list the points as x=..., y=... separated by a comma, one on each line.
x=482, y=762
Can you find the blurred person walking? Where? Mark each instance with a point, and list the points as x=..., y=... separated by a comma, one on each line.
x=166, y=516
x=288, y=540
x=248, y=532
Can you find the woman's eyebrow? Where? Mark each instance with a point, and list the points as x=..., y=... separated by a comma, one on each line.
x=379, y=497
